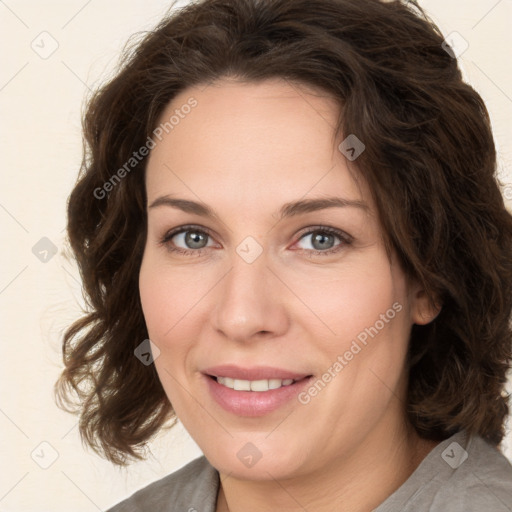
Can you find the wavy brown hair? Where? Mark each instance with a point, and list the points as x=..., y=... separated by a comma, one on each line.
x=430, y=162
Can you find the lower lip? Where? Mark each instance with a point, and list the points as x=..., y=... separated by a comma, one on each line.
x=254, y=403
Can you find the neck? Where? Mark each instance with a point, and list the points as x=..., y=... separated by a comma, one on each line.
x=357, y=482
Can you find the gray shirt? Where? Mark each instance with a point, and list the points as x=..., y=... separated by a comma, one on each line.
x=460, y=474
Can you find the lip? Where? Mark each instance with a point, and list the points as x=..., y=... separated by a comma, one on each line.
x=255, y=373
x=253, y=403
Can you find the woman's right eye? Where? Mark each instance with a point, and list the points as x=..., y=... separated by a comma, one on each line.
x=188, y=236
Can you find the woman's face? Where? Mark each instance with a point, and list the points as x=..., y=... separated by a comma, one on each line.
x=273, y=285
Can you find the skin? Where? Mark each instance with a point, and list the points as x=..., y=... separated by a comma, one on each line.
x=245, y=150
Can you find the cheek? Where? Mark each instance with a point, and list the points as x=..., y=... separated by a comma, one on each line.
x=343, y=306
x=361, y=331
x=155, y=303
x=158, y=294
x=172, y=302
x=159, y=306
x=167, y=296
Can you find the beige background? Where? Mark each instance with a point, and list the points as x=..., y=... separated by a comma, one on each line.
x=40, y=104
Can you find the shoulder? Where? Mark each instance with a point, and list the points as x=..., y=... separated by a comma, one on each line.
x=193, y=487
x=461, y=474
x=482, y=482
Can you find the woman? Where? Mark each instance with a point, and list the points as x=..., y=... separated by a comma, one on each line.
x=293, y=240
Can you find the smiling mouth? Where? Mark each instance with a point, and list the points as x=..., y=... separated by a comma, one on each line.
x=253, y=392
x=261, y=385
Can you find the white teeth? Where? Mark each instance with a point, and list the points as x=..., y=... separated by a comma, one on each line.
x=229, y=382
x=274, y=383
x=242, y=385
x=259, y=385
x=253, y=385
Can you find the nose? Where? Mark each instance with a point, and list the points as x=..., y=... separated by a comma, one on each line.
x=250, y=302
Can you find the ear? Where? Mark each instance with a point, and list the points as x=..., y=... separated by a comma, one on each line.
x=422, y=310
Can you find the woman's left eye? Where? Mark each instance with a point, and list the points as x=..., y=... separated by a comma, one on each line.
x=322, y=236
x=195, y=240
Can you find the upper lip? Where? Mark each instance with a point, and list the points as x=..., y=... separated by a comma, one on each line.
x=255, y=373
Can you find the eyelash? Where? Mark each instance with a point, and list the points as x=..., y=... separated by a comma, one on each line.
x=344, y=237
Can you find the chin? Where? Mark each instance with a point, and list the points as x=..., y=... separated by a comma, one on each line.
x=252, y=457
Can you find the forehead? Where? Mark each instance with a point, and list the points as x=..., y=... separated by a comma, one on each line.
x=251, y=143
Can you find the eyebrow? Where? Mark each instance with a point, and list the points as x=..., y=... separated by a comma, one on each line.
x=287, y=210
